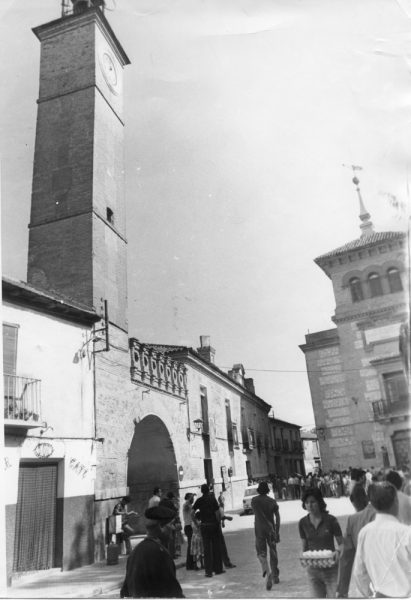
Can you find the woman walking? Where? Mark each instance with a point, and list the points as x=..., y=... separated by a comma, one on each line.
x=317, y=531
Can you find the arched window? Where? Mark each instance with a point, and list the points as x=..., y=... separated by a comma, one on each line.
x=356, y=289
x=374, y=281
x=394, y=280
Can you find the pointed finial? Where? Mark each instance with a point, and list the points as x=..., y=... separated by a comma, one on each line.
x=366, y=226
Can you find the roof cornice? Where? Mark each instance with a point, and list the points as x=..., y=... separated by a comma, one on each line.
x=69, y=22
x=362, y=243
x=23, y=294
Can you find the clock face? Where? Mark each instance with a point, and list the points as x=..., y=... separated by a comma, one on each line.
x=109, y=71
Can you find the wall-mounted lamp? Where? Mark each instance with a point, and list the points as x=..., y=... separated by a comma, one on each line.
x=321, y=433
x=83, y=350
x=47, y=428
x=198, y=426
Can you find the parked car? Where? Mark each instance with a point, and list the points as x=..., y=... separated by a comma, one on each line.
x=249, y=493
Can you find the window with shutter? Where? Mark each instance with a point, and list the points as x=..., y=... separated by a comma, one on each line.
x=229, y=426
x=9, y=348
x=204, y=410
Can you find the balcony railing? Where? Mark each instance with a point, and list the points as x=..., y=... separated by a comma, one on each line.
x=384, y=410
x=22, y=401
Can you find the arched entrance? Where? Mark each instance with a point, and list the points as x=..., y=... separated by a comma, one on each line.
x=151, y=462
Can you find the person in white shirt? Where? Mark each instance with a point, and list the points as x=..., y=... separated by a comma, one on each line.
x=382, y=565
x=368, y=478
x=404, y=501
x=155, y=498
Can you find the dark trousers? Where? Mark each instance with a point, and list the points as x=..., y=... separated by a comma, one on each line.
x=212, y=551
x=188, y=530
x=262, y=543
x=223, y=548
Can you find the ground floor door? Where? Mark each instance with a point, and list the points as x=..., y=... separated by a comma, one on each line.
x=401, y=442
x=35, y=531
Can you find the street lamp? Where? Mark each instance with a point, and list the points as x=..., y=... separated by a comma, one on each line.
x=198, y=425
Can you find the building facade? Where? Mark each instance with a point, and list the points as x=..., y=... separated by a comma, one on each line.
x=288, y=458
x=311, y=447
x=50, y=450
x=215, y=409
x=160, y=416
x=358, y=371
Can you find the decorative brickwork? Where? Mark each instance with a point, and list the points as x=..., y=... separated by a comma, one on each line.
x=157, y=369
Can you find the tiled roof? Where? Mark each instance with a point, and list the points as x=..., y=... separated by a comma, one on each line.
x=364, y=242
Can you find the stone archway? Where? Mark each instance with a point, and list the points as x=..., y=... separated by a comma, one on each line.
x=151, y=463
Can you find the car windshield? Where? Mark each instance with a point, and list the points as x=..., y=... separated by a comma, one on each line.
x=251, y=492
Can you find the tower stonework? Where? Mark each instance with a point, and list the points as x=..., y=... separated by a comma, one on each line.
x=357, y=371
x=77, y=244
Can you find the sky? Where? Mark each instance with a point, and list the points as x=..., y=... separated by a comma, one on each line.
x=239, y=118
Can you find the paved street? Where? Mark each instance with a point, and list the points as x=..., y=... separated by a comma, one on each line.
x=245, y=581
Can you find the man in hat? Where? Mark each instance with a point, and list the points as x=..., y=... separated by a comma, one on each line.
x=267, y=532
x=150, y=571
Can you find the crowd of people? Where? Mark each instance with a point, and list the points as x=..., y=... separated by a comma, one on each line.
x=371, y=559
x=332, y=484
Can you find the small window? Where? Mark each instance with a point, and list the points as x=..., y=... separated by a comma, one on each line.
x=394, y=280
x=396, y=386
x=110, y=215
x=374, y=281
x=204, y=409
x=235, y=435
x=356, y=289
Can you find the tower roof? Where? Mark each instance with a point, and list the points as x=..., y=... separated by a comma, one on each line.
x=373, y=239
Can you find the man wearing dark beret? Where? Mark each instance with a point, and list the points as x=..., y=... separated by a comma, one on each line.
x=150, y=571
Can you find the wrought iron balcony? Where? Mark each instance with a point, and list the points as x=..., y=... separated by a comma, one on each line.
x=384, y=410
x=22, y=401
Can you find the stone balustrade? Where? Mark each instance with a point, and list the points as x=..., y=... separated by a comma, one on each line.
x=157, y=369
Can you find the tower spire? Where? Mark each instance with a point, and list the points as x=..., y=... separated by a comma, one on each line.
x=366, y=226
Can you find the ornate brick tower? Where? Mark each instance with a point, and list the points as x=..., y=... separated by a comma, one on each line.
x=77, y=244
x=357, y=371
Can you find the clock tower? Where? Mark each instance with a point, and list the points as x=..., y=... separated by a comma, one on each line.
x=77, y=243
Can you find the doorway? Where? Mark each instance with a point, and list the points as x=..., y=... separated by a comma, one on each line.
x=151, y=463
x=35, y=529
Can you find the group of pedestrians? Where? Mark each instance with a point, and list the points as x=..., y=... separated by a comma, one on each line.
x=205, y=541
x=372, y=559
x=173, y=529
